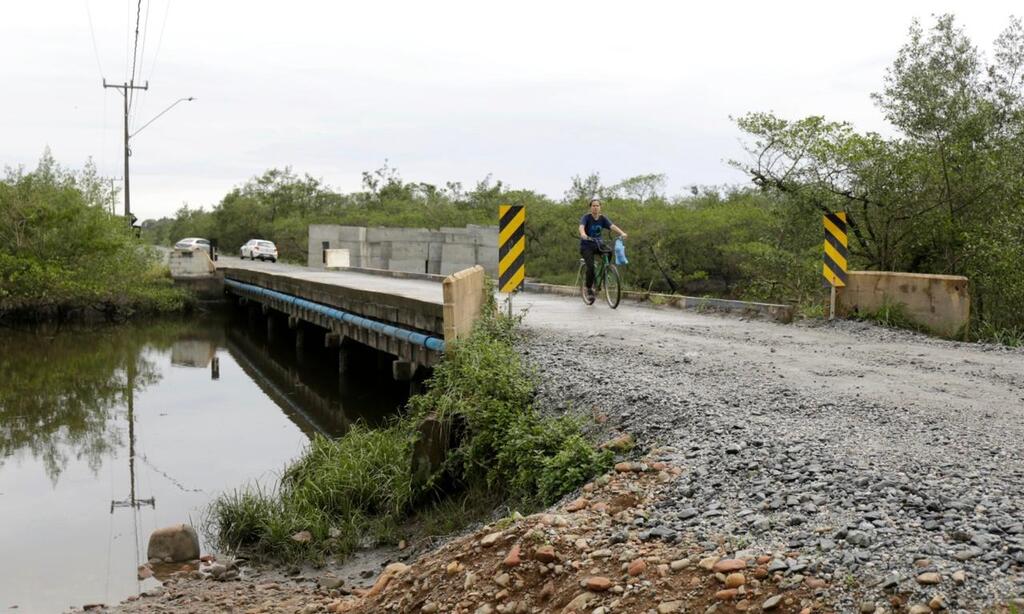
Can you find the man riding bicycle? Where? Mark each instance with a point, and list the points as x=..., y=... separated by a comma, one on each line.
x=591, y=225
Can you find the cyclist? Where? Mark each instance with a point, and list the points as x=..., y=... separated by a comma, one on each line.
x=591, y=225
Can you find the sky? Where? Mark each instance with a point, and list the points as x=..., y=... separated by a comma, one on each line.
x=531, y=93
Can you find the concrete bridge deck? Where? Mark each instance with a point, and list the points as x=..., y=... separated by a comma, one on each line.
x=411, y=304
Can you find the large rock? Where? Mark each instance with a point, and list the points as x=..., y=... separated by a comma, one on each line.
x=174, y=544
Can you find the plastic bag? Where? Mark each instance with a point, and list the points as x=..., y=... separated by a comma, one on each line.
x=620, y=252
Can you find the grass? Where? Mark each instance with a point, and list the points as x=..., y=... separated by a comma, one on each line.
x=343, y=492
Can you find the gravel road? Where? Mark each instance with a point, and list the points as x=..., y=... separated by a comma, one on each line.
x=884, y=461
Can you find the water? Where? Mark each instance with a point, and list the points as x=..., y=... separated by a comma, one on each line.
x=206, y=406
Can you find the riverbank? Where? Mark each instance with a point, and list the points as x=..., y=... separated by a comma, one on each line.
x=591, y=554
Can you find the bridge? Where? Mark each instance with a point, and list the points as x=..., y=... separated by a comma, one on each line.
x=412, y=317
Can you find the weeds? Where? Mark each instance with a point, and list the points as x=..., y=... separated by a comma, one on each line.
x=360, y=485
x=892, y=315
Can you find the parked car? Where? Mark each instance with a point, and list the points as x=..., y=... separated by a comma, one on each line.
x=259, y=249
x=193, y=244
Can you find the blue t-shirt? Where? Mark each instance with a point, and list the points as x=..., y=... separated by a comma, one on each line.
x=593, y=227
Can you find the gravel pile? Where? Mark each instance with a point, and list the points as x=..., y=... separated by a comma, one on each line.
x=899, y=500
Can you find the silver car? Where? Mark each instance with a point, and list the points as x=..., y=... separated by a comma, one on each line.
x=192, y=244
x=259, y=249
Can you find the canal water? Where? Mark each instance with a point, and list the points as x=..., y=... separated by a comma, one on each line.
x=109, y=433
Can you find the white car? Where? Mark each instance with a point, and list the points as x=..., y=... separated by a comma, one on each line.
x=192, y=244
x=258, y=249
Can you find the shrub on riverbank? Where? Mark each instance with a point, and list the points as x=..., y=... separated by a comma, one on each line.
x=62, y=253
x=360, y=485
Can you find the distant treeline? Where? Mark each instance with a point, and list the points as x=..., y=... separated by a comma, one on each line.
x=944, y=195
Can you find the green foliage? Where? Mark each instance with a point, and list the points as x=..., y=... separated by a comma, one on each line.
x=340, y=491
x=508, y=446
x=61, y=250
x=892, y=315
x=946, y=195
x=361, y=484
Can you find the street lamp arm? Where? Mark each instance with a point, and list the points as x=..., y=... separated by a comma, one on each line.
x=189, y=99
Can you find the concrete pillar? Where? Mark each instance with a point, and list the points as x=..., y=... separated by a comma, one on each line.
x=300, y=338
x=344, y=360
x=403, y=370
x=270, y=328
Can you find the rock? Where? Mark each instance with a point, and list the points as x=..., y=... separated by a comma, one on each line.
x=959, y=576
x=929, y=577
x=453, y=568
x=178, y=543
x=920, y=608
x=637, y=567
x=502, y=580
x=547, y=591
x=512, y=559
x=815, y=583
x=330, y=582
x=678, y=564
x=545, y=554
x=708, y=563
x=735, y=580
x=728, y=565
x=597, y=584
x=490, y=539
x=771, y=603
x=937, y=602
x=726, y=594
x=429, y=608
x=622, y=443
x=669, y=607
x=145, y=571
x=578, y=603
x=867, y=607
x=577, y=505
x=484, y=609
x=303, y=537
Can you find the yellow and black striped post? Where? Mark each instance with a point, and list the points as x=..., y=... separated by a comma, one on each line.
x=511, y=247
x=836, y=256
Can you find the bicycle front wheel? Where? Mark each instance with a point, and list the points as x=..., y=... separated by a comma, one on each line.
x=612, y=286
x=581, y=282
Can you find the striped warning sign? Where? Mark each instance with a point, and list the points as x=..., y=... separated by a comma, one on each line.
x=511, y=244
x=836, y=251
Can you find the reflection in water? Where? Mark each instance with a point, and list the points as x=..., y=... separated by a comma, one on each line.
x=60, y=392
x=140, y=426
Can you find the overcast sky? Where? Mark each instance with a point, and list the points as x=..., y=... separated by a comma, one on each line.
x=530, y=92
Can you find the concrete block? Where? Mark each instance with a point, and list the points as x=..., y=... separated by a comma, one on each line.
x=434, y=250
x=454, y=266
x=338, y=258
x=410, y=250
x=401, y=235
x=458, y=252
x=408, y=265
x=352, y=234
x=940, y=302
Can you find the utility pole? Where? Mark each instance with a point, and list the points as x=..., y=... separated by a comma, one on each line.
x=125, y=88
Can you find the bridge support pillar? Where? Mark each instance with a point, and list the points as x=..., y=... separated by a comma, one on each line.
x=270, y=328
x=300, y=337
x=403, y=370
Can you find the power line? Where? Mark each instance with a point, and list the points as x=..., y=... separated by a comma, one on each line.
x=142, y=64
x=92, y=33
x=135, y=52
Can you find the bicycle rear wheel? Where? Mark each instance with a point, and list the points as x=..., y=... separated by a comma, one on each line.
x=581, y=282
x=612, y=286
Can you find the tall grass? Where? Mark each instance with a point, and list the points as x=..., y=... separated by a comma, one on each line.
x=360, y=486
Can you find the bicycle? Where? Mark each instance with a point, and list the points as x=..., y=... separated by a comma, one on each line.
x=606, y=278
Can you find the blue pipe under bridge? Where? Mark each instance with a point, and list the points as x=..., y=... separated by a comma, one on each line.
x=338, y=315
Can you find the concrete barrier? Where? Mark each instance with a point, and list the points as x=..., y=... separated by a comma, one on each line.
x=188, y=263
x=941, y=303
x=464, y=298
